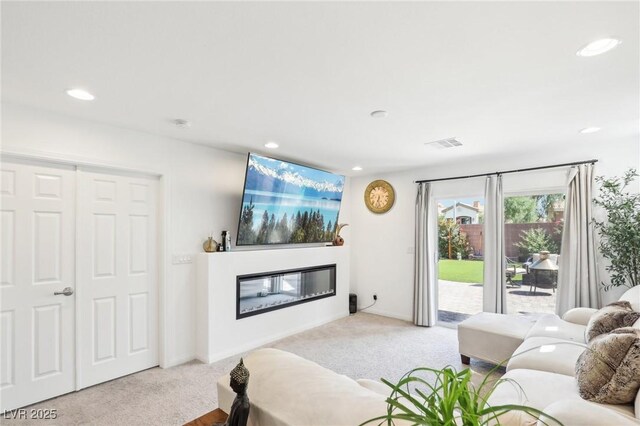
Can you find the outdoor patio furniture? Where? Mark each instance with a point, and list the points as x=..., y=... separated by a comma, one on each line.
x=512, y=270
x=544, y=272
x=542, y=280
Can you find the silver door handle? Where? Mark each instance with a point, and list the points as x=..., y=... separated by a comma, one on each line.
x=67, y=291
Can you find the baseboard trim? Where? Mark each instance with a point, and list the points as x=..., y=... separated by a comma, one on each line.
x=180, y=360
x=389, y=314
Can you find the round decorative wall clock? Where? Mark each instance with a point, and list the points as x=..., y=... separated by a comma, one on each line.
x=379, y=196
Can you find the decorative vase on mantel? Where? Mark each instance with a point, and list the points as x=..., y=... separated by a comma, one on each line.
x=210, y=245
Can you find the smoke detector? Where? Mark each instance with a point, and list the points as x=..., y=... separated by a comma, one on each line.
x=444, y=143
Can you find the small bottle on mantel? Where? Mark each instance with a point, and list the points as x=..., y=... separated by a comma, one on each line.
x=228, y=242
x=224, y=241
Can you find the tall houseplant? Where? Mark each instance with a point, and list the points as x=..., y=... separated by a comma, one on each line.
x=620, y=232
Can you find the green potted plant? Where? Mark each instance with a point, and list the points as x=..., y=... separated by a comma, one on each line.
x=448, y=399
x=620, y=233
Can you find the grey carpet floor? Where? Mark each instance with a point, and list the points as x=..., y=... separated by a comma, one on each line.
x=359, y=346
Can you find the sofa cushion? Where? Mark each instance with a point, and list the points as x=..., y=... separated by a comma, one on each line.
x=614, y=315
x=547, y=354
x=579, y=315
x=538, y=389
x=553, y=326
x=609, y=371
x=580, y=413
x=632, y=296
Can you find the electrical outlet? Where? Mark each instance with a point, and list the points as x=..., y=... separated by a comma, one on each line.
x=375, y=296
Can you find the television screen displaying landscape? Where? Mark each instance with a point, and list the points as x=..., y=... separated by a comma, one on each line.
x=286, y=203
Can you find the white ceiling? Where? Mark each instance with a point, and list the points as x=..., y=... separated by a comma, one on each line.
x=502, y=77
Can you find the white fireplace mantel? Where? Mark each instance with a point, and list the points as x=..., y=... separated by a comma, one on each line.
x=220, y=335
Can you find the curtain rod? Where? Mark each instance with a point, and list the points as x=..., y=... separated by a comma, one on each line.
x=510, y=171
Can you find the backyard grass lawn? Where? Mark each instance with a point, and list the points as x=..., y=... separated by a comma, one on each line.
x=462, y=271
x=465, y=271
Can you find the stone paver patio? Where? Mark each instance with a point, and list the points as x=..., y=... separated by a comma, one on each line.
x=457, y=301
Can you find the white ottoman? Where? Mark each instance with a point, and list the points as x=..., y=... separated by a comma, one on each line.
x=492, y=337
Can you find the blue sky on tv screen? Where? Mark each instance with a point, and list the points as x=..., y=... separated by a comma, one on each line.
x=297, y=175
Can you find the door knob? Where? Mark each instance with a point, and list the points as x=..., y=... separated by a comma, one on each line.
x=67, y=291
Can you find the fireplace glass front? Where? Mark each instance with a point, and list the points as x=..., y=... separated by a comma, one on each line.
x=259, y=293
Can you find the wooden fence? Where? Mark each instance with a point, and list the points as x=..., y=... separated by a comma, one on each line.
x=512, y=235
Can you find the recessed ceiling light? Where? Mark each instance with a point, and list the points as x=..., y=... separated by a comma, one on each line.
x=271, y=145
x=379, y=114
x=356, y=168
x=588, y=130
x=182, y=123
x=83, y=95
x=599, y=47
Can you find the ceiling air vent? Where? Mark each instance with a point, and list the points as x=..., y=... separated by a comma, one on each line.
x=444, y=143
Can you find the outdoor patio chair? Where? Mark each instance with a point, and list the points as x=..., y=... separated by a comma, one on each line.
x=513, y=269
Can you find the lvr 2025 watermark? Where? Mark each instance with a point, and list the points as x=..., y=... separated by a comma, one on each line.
x=32, y=413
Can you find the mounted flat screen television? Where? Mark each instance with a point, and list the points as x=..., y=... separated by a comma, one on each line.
x=287, y=203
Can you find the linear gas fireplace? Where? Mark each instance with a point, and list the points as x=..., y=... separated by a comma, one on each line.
x=268, y=291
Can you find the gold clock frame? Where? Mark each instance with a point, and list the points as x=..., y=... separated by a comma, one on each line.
x=387, y=186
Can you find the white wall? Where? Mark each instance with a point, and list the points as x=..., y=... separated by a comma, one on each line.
x=204, y=192
x=382, y=245
x=205, y=186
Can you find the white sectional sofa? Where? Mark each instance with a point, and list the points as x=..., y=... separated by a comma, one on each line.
x=286, y=389
x=544, y=367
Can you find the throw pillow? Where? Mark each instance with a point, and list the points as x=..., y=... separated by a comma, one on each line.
x=614, y=315
x=608, y=372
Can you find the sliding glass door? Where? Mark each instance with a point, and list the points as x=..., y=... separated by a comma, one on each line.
x=534, y=203
x=460, y=265
x=533, y=234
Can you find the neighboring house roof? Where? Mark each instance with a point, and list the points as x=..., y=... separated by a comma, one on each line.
x=467, y=206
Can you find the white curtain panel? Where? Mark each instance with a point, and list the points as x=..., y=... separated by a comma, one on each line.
x=578, y=271
x=494, y=294
x=425, y=277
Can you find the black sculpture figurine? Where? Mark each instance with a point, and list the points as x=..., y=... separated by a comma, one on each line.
x=239, y=382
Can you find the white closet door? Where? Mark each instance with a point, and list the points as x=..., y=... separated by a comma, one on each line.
x=38, y=250
x=117, y=276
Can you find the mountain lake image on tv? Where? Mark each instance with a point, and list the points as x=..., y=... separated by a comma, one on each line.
x=286, y=203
